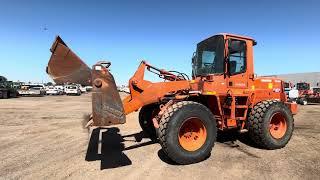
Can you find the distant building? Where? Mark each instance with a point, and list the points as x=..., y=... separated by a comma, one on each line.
x=313, y=78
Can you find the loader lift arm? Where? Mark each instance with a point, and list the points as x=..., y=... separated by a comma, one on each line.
x=143, y=92
x=107, y=106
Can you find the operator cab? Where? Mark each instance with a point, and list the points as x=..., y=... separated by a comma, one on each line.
x=221, y=54
x=209, y=57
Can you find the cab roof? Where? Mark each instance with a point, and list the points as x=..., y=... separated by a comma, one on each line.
x=237, y=36
x=232, y=35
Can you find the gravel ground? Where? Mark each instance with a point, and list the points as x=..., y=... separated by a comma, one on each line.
x=42, y=138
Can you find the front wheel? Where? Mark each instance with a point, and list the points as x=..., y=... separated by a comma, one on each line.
x=270, y=124
x=187, y=132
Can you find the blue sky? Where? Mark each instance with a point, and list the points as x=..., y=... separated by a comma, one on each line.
x=164, y=33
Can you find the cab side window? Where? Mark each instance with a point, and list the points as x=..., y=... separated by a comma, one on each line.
x=237, y=56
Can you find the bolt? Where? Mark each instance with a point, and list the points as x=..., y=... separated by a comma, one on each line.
x=97, y=83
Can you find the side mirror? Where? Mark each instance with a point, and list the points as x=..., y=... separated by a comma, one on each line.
x=252, y=76
x=194, y=58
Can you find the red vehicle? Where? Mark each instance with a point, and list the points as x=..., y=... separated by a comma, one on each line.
x=288, y=85
x=304, y=88
x=304, y=91
x=315, y=96
x=308, y=94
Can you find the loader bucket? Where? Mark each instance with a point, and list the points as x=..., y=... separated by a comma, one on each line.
x=65, y=66
x=107, y=107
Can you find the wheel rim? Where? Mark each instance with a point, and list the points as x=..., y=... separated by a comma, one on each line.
x=192, y=134
x=278, y=125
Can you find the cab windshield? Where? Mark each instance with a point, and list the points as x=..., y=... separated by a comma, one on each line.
x=72, y=87
x=209, y=56
x=303, y=86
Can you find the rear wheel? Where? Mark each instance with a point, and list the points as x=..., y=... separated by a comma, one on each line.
x=270, y=124
x=13, y=94
x=187, y=132
x=5, y=95
x=146, y=114
x=302, y=101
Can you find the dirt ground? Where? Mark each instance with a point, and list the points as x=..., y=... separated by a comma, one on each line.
x=42, y=138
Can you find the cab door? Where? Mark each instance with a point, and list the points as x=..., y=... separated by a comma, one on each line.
x=237, y=64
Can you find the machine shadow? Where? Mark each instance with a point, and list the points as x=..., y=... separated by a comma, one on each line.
x=227, y=138
x=230, y=137
x=110, y=143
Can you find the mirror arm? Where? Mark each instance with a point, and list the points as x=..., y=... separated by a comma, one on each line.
x=193, y=64
x=252, y=76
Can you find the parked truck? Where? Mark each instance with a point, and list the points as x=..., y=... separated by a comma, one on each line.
x=305, y=91
x=7, y=89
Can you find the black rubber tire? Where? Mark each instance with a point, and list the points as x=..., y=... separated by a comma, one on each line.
x=170, y=124
x=5, y=95
x=303, y=101
x=13, y=94
x=145, y=120
x=259, y=120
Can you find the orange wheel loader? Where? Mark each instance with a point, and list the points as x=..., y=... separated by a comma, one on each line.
x=185, y=113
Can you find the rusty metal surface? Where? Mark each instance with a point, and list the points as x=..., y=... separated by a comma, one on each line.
x=107, y=107
x=65, y=66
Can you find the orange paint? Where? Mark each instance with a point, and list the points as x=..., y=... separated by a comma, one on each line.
x=192, y=134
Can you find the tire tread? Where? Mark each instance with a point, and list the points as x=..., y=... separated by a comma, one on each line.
x=256, y=120
x=164, y=122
